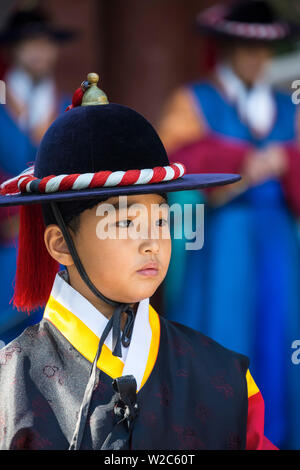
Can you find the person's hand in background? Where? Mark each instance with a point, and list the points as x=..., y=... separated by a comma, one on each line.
x=261, y=165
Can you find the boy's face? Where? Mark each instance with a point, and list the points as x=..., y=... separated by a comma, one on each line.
x=116, y=245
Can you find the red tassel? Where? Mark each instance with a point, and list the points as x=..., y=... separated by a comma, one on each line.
x=36, y=269
x=77, y=99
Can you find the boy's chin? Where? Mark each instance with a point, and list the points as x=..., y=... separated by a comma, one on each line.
x=138, y=296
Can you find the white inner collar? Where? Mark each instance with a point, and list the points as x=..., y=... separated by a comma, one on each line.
x=136, y=355
x=38, y=99
x=256, y=106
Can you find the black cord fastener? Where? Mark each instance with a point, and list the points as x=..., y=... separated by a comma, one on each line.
x=126, y=411
x=126, y=407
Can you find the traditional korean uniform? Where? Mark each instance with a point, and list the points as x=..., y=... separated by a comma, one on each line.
x=75, y=380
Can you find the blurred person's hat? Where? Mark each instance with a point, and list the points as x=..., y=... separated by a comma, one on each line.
x=250, y=20
x=31, y=23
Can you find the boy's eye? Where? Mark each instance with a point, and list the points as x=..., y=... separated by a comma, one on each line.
x=123, y=223
x=162, y=222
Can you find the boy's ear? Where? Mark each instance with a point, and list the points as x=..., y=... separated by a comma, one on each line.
x=56, y=245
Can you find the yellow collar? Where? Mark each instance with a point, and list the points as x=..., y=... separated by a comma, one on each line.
x=82, y=325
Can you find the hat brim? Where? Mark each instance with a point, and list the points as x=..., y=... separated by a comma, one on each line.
x=57, y=35
x=222, y=35
x=185, y=183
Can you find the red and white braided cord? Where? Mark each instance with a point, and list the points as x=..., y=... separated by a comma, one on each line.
x=50, y=184
x=215, y=17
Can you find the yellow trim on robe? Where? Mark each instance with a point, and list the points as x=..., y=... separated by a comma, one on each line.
x=155, y=327
x=82, y=338
x=86, y=342
x=252, y=387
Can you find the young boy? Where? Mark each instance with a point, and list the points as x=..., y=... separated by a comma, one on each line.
x=102, y=370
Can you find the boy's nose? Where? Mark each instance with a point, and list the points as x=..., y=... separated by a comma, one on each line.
x=149, y=246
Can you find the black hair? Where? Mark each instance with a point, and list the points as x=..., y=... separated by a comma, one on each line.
x=71, y=210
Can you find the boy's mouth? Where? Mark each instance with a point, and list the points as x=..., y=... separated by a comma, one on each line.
x=149, y=269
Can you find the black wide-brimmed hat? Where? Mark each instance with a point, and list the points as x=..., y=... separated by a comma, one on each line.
x=93, y=151
x=250, y=20
x=25, y=24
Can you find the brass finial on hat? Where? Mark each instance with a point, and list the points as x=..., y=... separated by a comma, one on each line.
x=92, y=94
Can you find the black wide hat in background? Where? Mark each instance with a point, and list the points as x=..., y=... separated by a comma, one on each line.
x=30, y=23
x=92, y=138
x=250, y=20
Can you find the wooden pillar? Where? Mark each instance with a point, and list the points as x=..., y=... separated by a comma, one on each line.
x=150, y=47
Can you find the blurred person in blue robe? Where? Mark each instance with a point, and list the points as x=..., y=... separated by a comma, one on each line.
x=242, y=287
x=32, y=102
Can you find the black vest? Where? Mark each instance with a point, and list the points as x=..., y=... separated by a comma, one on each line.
x=195, y=397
